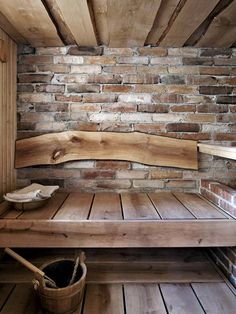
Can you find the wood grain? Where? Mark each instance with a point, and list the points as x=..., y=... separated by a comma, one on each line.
x=130, y=24
x=179, y=298
x=77, y=17
x=222, y=30
x=117, y=233
x=217, y=150
x=189, y=18
x=3, y=51
x=56, y=148
x=31, y=19
x=104, y=299
x=7, y=115
x=106, y=206
x=144, y=298
x=217, y=298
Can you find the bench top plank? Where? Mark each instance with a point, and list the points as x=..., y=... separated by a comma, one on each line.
x=76, y=207
x=106, y=206
x=199, y=207
x=169, y=207
x=138, y=206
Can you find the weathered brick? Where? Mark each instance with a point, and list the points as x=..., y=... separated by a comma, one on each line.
x=94, y=69
x=149, y=128
x=232, y=108
x=197, y=61
x=117, y=165
x=85, y=51
x=98, y=174
x=119, y=107
x=118, y=51
x=54, y=68
x=172, y=79
x=100, y=60
x=183, y=127
x=99, y=98
x=150, y=88
x=136, y=98
x=167, y=98
x=32, y=59
x=68, y=60
x=68, y=98
x=104, y=116
x=226, y=99
x=227, y=207
x=78, y=107
x=225, y=61
x=131, y=174
x=37, y=97
x=212, y=108
x=145, y=184
x=60, y=78
x=50, y=88
x=26, y=68
x=132, y=60
x=216, y=70
x=165, y=174
x=166, y=60
x=121, y=69
x=223, y=191
x=51, y=107
x=25, y=88
x=105, y=78
x=141, y=79
x=184, y=52
x=186, y=184
x=183, y=108
x=154, y=69
x=168, y=117
x=186, y=69
x=226, y=118
x=117, y=88
x=201, y=117
x=152, y=51
x=212, y=52
x=215, y=90
x=181, y=89
x=83, y=88
x=51, y=50
x=153, y=108
x=34, y=78
x=136, y=117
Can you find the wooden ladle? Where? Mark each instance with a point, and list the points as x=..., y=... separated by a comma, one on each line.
x=31, y=267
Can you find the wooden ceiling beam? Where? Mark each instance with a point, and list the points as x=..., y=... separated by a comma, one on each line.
x=59, y=22
x=100, y=17
x=189, y=17
x=129, y=24
x=77, y=17
x=11, y=31
x=32, y=20
x=222, y=30
x=162, y=20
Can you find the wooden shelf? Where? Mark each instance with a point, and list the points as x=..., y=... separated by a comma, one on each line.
x=218, y=150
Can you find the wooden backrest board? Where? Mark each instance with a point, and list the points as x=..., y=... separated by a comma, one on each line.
x=138, y=147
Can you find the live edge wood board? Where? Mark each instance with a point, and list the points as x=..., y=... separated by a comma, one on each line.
x=144, y=148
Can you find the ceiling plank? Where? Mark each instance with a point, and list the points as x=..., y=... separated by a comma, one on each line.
x=31, y=19
x=129, y=24
x=222, y=31
x=3, y=51
x=162, y=19
x=76, y=15
x=192, y=14
x=8, y=28
x=57, y=18
x=100, y=16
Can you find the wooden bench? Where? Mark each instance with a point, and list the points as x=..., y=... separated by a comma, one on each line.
x=161, y=219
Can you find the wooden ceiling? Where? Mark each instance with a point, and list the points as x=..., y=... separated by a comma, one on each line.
x=120, y=23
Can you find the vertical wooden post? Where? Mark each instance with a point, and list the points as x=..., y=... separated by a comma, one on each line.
x=3, y=51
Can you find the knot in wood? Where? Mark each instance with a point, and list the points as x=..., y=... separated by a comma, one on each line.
x=58, y=153
x=75, y=139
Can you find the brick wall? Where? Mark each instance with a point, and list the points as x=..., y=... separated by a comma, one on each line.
x=186, y=93
x=224, y=197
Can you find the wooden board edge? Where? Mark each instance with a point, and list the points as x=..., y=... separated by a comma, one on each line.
x=3, y=51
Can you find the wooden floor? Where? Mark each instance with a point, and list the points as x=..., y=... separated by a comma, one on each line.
x=176, y=281
x=192, y=298
x=161, y=219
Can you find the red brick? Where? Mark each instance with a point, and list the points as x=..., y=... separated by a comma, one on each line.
x=119, y=69
x=119, y=107
x=215, y=90
x=69, y=98
x=184, y=184
x=101, y=164
x=223, y=191
x=214, y=70
x=98, y=174
x=100, y=60
x=117, y=88
x=31, y=59
x=26, y=68
x=105, y=78
x=210, y=196
x=34, y=78
x=182, y=127
x=165, y=98
x=165, y=174
x=197, y=61
x=152, y=51
x=83, y=88
x=50, y=88
x=54, y=68
x=99, y=98
x=196, y=136
x=212, y=108
x=183, y=108
x=131, y=174
x=153, y=108
x=149, y=128
x=227, y=207
x=205, y=184
x=141, y=79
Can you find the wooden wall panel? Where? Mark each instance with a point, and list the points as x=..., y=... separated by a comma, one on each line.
x=7, y=115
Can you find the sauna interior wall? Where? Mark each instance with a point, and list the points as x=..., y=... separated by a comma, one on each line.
x=7, y=115
x=186, y=93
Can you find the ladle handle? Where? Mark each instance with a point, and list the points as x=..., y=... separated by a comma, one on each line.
x=24, y=262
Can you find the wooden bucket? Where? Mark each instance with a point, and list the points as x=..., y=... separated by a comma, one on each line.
x=66, y=299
